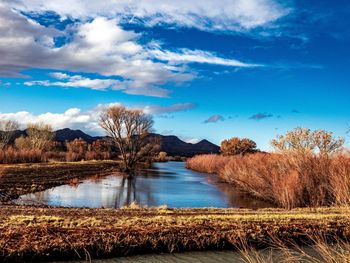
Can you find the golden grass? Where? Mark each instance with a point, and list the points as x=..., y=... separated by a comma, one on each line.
x=288, y=180
x=62, y=233
x=321, y=250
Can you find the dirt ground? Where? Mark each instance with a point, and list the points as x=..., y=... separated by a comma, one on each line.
x=19, y=179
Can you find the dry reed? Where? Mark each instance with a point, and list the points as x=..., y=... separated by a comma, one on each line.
x=288, y=180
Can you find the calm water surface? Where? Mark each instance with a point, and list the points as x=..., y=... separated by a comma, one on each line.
x=168, y=184
x=193, y=257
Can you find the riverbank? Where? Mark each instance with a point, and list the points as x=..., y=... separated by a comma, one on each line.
x=288, y=180
x=30, y=233
x=19, y=179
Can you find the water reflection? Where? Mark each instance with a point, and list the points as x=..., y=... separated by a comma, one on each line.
x=168, y=184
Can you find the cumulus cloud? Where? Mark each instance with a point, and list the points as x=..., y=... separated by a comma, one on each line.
x=214, y=118
x=209, y=15
x=99, y=46
x=75, y=118
x=260, y=116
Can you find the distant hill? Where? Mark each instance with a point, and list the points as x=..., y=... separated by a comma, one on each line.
x=173, y=146
x=170, y=144
x=70, y=135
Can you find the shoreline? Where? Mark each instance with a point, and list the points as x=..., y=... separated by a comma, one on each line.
x=19, y=179
x=36, y=233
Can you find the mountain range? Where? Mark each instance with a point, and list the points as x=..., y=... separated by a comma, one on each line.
x=170, y=144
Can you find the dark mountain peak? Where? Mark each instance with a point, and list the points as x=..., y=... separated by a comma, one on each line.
x=174, y=146
x=70, y=135
x=204, y=141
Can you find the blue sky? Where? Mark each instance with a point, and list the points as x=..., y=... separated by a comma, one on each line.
x=210, y=69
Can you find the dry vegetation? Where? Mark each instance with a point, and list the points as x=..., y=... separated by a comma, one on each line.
x=308, y=169
x=59, y=233
x=322, y=250
x=291, y=180
x=129, y=129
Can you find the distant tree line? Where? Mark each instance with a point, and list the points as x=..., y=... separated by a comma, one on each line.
x=127, y=140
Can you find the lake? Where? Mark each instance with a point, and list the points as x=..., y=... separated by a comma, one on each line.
x=169, y=183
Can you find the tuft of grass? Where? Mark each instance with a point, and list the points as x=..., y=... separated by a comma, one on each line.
x=320, y=250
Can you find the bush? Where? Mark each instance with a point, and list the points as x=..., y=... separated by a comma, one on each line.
x=79, y=150
x=306, y=141
x=236, y=145
x=161, y=157
x=76, y=150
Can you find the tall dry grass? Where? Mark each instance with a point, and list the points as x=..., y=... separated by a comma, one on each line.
x=287, y=180
x=320, y=250
x=11, y=156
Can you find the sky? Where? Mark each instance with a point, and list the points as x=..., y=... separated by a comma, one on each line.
x=204, y=69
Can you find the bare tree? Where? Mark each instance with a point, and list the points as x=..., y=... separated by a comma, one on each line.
x=39, y=137
x=129, y=130
x=7, y=129
x=307, y=141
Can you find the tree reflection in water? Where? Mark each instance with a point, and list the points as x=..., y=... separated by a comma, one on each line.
x=165, y=183
x=127, y=192
x=131, y=192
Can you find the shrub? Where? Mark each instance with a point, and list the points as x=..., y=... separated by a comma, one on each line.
x=161, y=157
x=76, y=150
x=236, y=145
x=306, y=141
x=23, y=143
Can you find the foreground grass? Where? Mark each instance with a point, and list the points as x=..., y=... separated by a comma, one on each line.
x=29, y=233
x=19, y=179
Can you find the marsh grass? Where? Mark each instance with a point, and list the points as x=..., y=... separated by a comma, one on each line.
x=287, y=180
x=29, y=233
x=319, y=250
x=11, y=155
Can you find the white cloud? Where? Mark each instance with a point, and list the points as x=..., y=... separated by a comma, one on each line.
x=59, y=75
x=218, y=15
x=77, y=81
x=73, y=118
x=87, y=121
x=198, y=56
x=99, y=46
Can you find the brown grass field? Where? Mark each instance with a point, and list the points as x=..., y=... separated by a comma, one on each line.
x=19, y=179
x=29, y=233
